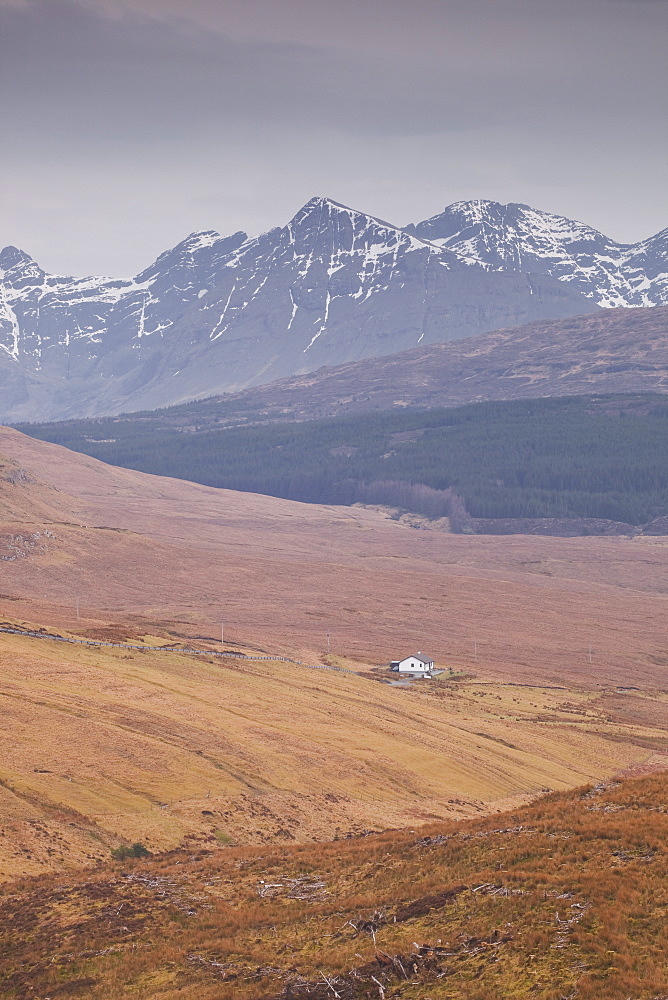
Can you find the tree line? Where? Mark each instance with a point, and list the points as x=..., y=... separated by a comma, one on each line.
x=584, y=456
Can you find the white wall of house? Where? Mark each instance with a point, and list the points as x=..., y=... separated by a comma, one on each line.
x=413, y=666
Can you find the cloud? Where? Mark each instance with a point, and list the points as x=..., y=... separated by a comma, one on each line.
x=142, y=80
x=152, y=117
x=147, y=76
x=419, y=28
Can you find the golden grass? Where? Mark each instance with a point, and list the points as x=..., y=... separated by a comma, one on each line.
x=100, y=747
x=566, y=897
x=103, y=746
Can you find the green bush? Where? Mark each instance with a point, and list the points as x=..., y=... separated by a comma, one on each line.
x=135, y=851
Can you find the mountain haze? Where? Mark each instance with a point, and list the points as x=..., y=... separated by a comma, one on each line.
x=334, y=285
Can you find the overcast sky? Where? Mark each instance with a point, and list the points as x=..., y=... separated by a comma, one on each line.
x=128, y=124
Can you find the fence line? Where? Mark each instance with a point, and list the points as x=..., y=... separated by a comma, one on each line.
x=171, y=649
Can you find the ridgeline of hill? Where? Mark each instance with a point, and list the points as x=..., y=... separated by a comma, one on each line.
x=597, y=464
x=608, y=351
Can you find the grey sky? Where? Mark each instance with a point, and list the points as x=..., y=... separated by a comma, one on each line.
x=130, y=123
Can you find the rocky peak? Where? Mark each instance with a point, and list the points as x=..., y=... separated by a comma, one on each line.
x=17, y=268
x=197, y=250
x=519, y=238
x=336, y=227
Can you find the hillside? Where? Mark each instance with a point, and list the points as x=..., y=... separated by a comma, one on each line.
x=563, y=898
x=612, y=351
x=103, y=746
x=567, y=465
x=130, y=544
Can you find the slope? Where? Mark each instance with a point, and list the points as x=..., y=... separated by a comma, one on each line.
x=620, y=350
x=563, y=898
x=102, y=747
x=133, y=544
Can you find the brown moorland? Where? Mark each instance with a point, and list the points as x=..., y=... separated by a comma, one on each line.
x=100, y=747
x=566, y=897
x=283, y=574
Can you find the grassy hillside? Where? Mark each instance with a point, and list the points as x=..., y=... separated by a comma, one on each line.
x=233, y=773
x=569, y=457
x=564, y=898
x=104, y=747
x=144, y=551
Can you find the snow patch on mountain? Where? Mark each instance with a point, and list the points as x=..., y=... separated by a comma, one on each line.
x=217, y=313
x=517, y=237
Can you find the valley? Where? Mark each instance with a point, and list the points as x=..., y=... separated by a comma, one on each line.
x=298, y=830
x=553, y=651
x=132, y=544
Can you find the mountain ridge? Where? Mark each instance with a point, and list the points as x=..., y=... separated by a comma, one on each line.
x=221, y=313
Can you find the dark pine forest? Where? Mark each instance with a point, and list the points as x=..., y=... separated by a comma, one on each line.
x=567, y=457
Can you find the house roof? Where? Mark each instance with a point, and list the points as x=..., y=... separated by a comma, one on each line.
x=418, y=656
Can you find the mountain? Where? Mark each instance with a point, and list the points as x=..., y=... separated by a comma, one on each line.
x=521, y=239
x=335, y=285
x=610, y=351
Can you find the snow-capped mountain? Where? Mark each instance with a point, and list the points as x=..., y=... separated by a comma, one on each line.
x=217, y=314
x=519, y=238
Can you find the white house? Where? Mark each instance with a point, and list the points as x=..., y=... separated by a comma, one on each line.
x=416, y=664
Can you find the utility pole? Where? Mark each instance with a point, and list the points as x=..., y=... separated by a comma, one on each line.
x=590, y=654
x=78, y=616
x=222, y=633
x=328, y=644
x=475, y=652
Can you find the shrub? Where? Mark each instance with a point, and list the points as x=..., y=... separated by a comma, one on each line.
x=135, y=851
